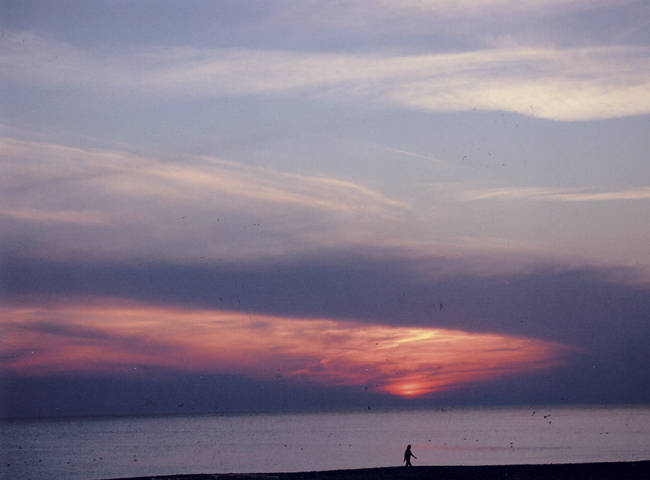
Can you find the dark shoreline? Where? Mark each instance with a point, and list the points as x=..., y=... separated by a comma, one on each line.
x=572, y=471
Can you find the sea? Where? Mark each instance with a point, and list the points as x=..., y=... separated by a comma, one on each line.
x=119, y=447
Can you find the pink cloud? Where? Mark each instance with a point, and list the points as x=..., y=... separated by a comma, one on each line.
x=121, y=337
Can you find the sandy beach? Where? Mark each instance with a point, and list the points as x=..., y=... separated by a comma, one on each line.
x=583, y=471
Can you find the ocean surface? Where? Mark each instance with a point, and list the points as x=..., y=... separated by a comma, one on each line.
x=114, y=447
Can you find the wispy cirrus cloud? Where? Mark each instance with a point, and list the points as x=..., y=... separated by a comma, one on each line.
x=116, y=203
x=468, y=7
x=560, y=84
x=555, y=194
x=33, y=166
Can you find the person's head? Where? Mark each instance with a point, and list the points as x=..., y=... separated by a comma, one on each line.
x=408, y=446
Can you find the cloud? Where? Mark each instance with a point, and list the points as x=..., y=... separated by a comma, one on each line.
x=332, y=321
x=560, y=84
x=588, y=307
x=571, y=84
x=55, y=217
x=60, y=202
x=470, y=7
x=404, y=361
x=108, y=203
x=554, y=194
x=137, y=319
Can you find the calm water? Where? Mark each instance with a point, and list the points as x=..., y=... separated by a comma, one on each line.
x=98, y=448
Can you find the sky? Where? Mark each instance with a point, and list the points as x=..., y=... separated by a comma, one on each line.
x=239, y=206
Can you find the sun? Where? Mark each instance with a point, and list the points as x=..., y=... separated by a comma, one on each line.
x=409, y=390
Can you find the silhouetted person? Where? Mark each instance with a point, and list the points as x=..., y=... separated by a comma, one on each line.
x=407, y=456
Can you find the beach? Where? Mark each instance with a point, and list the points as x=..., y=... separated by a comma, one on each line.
x=575, y=471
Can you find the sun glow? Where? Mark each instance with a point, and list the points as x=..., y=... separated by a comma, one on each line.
x=119, y=338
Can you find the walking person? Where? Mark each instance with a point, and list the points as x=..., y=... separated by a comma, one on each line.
x=407, y=456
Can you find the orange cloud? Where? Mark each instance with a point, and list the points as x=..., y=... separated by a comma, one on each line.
x=122, y=337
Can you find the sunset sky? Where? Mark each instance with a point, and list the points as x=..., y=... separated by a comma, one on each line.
x=289, y=205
